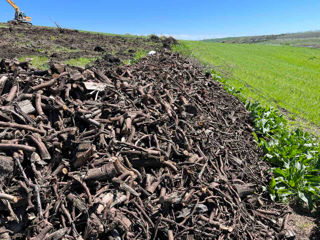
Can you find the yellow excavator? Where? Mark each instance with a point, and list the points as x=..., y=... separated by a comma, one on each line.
x=19, y=17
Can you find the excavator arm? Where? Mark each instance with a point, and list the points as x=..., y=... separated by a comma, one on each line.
x=14, y=5
x=19, y=17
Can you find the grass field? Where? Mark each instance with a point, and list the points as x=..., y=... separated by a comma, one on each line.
x=303, y=42
x=283, y=76
x=302, y=39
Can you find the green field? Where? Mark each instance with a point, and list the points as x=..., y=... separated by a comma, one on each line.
x=302, y=39
x=283, y=76
x=303, y=42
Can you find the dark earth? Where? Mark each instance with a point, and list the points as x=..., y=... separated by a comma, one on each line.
x=62, y=44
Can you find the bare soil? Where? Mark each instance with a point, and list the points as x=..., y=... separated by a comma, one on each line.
x=62, y=44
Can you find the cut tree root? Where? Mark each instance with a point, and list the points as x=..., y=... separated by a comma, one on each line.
x=8, y=197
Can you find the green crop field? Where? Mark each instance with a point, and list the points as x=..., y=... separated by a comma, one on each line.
x=302, y=39
x=282, y=76
x=303, y=42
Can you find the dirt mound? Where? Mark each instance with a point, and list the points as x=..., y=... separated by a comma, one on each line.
x=155, y=38
x=168, y=42
x=67, y=44
x=156, y=150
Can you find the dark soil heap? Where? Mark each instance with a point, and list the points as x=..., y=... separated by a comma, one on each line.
x=62, y=44
x=156, y=150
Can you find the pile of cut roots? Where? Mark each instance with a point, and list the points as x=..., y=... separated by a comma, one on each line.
x=156, y=150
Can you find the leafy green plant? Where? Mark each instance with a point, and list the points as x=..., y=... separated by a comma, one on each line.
x=266, y=119
x=295, y=156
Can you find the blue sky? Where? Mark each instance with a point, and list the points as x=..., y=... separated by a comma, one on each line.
x=183, y=19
